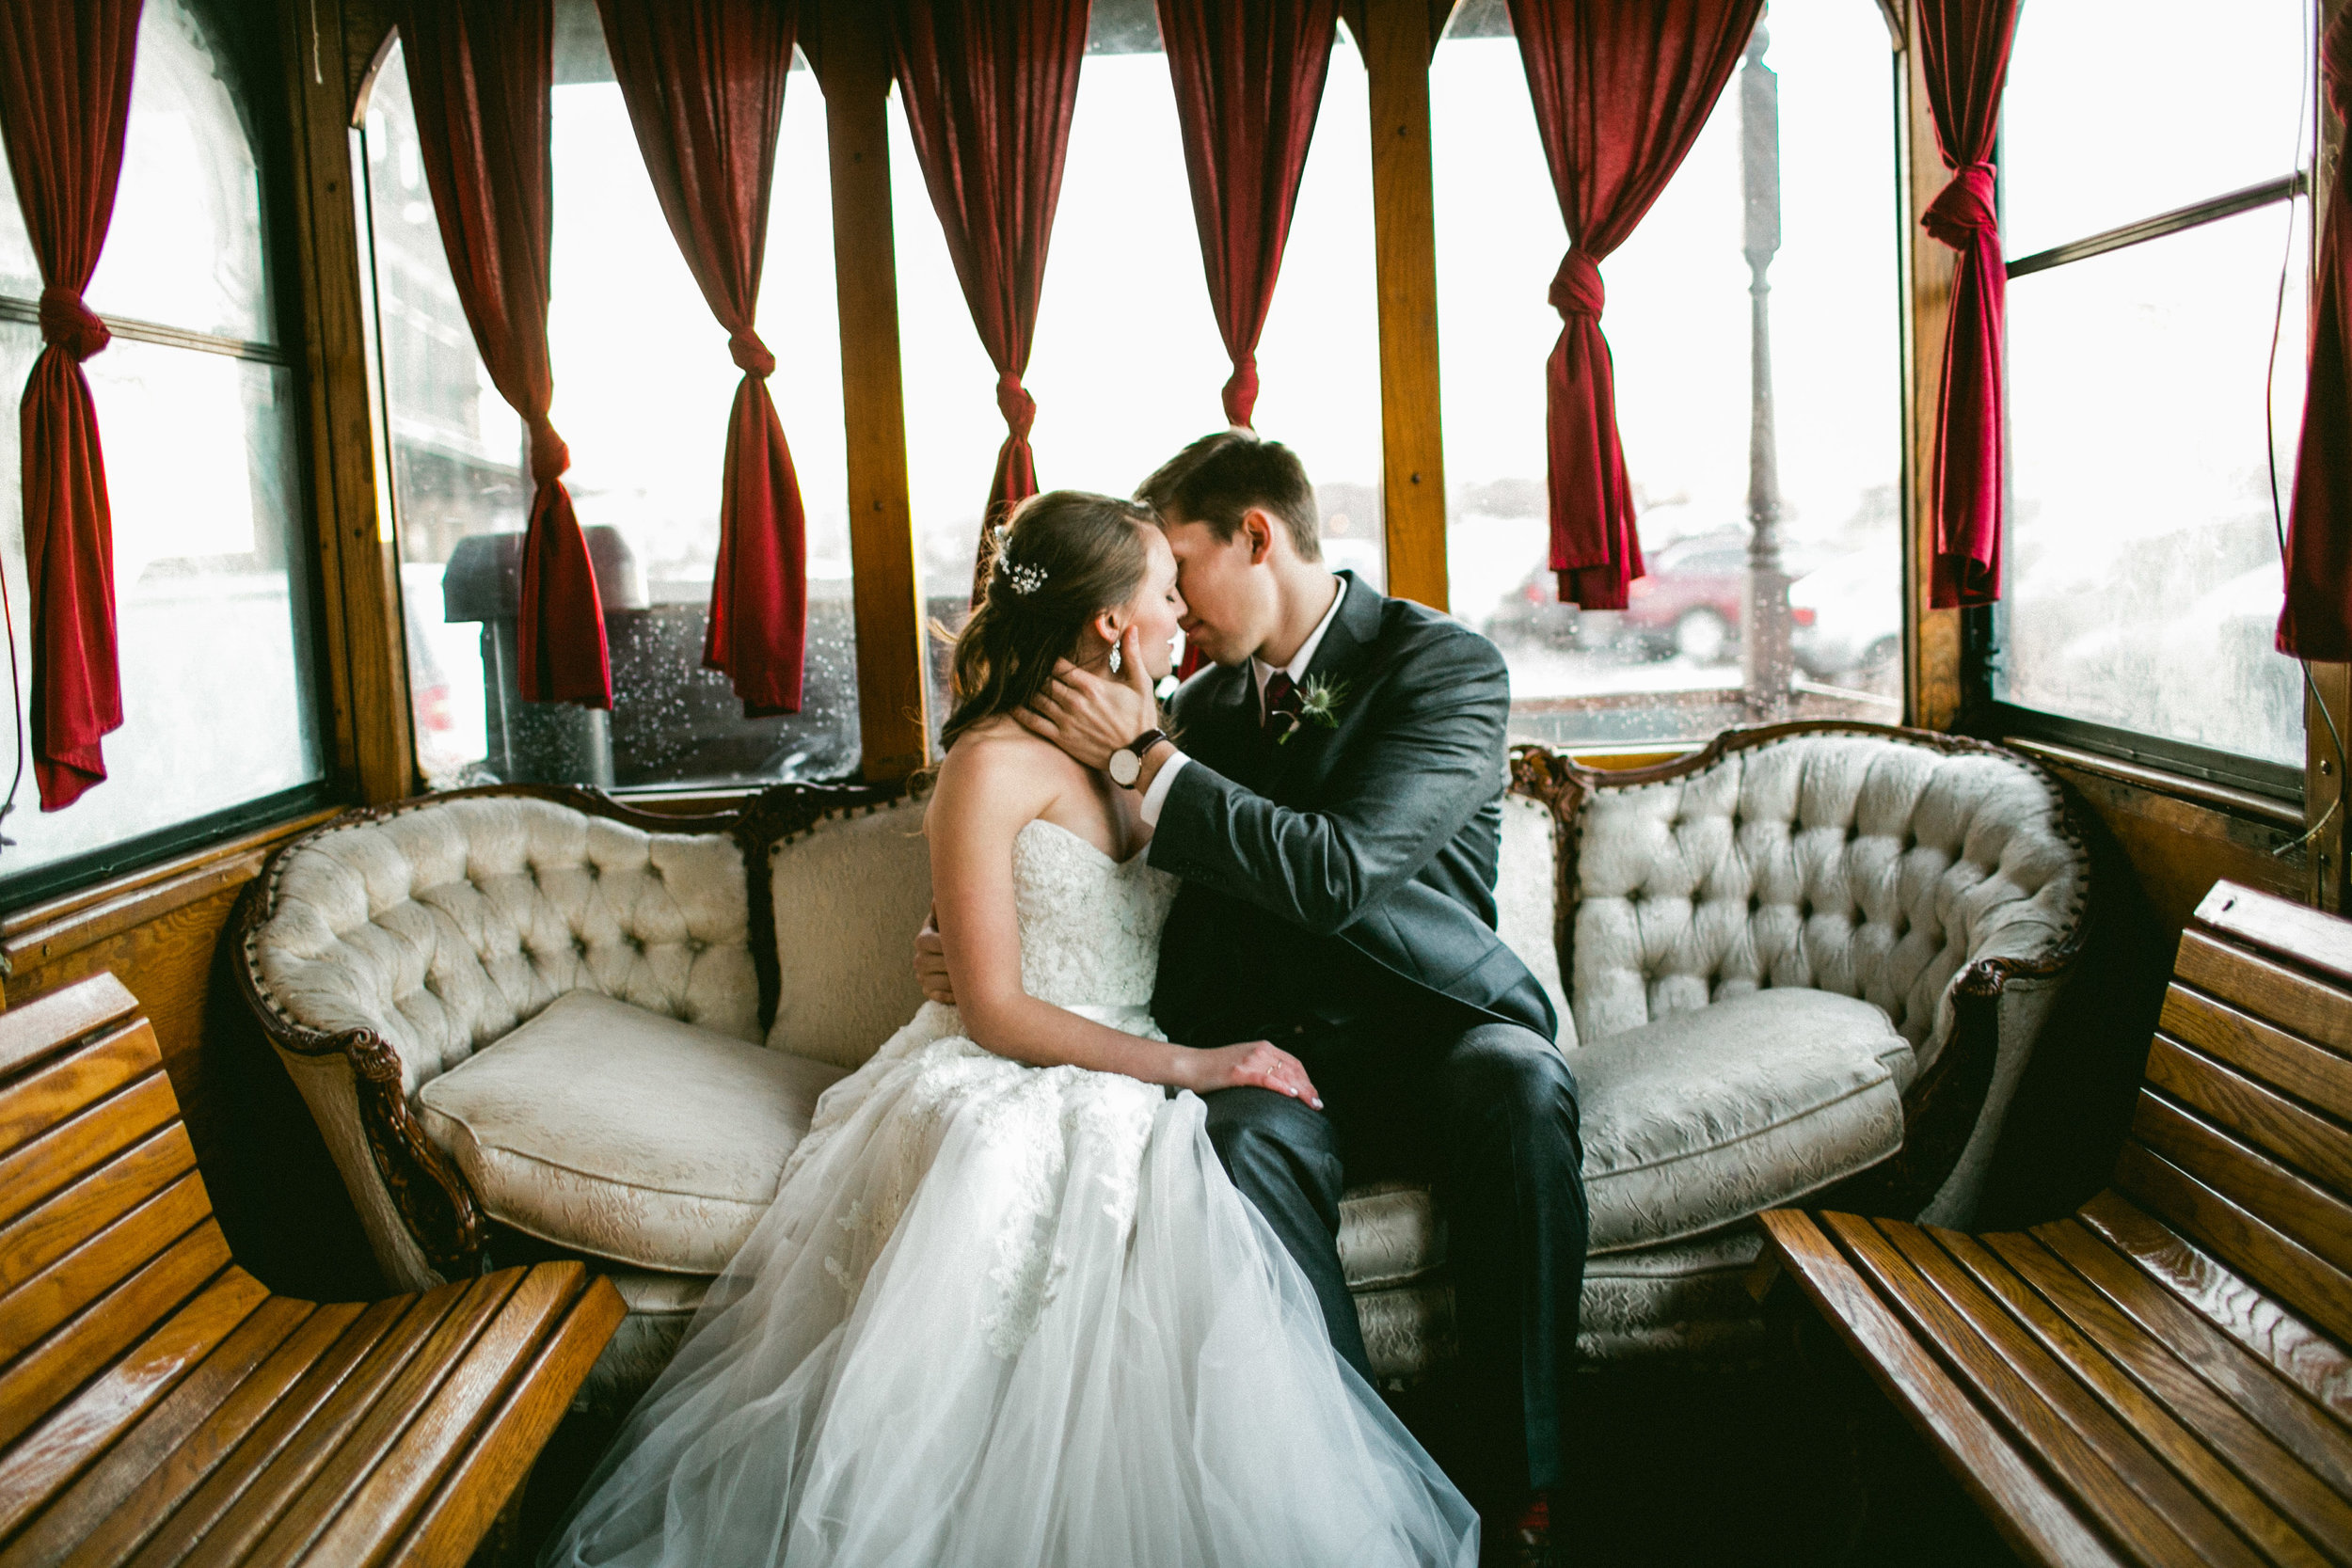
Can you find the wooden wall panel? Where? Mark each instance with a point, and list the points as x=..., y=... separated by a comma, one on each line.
x=2177, y=848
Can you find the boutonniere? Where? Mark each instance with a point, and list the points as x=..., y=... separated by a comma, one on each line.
x=1319, y=702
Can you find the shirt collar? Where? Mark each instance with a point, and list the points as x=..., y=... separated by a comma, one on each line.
x=1296, y=668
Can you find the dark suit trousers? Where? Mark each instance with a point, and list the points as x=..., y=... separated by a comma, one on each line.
x=1487, y=1112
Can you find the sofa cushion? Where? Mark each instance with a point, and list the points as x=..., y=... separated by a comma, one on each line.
x=850, y=896
x=1706, y=1117
x=1389, y=1234
x=624, y=1134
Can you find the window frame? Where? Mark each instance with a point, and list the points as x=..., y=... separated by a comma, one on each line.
x=1948, y=654
x=1984, y=629
x=244, y=35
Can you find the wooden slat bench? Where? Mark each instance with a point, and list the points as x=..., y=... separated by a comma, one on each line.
x=159, y=1405
x=2162, y=1378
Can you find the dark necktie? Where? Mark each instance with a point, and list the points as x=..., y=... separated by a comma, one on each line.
x=1281, y=706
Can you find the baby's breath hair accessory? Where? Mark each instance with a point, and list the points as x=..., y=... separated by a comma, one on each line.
x=1026, y=580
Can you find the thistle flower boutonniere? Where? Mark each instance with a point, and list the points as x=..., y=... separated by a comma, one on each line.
x=1319, y=702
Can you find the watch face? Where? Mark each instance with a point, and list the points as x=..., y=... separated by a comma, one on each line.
x=1126, y=768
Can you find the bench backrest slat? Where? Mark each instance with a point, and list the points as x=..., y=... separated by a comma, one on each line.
x=98, y=1182
x=46, y=1024
x=2316, y=1076
x=2247, y=1108
x=2242, y=1139
x=115, y=1279
x=2287, y=998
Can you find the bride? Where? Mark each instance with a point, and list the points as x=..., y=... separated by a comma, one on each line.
x=1005, y=1308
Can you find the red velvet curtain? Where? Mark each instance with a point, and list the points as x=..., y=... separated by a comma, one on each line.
x=704, y=80
x=1622, y=89
x=1249, y=78
x=989, y=86
x=480, y=72
x=1963, y=52
x=65, y=101
x=2316, y=621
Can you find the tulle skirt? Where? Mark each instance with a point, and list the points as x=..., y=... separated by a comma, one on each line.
x=999, y=1316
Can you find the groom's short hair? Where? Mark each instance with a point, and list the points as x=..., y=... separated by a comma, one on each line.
x=1219, y=477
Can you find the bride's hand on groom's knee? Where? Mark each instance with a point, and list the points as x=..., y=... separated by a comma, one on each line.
x=1254, y=1064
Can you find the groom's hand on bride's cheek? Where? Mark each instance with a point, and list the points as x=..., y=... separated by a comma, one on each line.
x=1091, y=716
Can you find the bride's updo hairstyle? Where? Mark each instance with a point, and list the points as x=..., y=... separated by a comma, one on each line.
x=1062, y=558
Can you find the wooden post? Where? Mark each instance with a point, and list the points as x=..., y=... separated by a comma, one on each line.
x=891, y=669
x=358, y=564
x=1398, y=37
x=1932, y=675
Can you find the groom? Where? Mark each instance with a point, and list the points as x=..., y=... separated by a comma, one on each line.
x=1334, y=805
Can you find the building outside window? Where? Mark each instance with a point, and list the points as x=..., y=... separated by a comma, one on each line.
x=1127, y=364
x=1678, y=318
x=200, y=418
x=2153, y=257
x=642, y=384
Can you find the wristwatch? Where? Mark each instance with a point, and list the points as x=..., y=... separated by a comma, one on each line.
x=1126, y=763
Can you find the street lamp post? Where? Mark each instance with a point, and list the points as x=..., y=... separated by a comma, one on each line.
x=1765, y=659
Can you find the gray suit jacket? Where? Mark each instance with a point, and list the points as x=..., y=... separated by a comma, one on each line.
x=1347, y=870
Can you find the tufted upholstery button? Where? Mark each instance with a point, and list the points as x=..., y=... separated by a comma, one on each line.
x=696, y=945
x=580, y=947
x=636, y=942
x=594, y=871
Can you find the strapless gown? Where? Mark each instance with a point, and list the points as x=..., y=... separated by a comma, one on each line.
x=1000, y=1315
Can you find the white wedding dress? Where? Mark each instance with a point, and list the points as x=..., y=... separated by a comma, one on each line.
x=1001, y=1314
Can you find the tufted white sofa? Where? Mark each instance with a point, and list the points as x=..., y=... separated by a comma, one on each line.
x=534, y=1020
x=1935, y=881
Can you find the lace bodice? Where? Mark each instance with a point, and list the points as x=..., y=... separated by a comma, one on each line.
x=1089, y=924
x=1091, y=942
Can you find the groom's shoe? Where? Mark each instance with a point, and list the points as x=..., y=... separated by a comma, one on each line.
x=1520, y=1539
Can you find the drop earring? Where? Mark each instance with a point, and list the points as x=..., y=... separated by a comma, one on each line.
x=1116, y=660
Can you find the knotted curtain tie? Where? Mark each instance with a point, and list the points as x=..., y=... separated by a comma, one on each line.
x=549, y=456
x=1963, y=208
x=750, y=355
x=1018, y=407
x=1241, y=391
x=67, y=324
x=1577, y=289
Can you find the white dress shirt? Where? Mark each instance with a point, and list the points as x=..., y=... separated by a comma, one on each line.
x=1260, y=671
